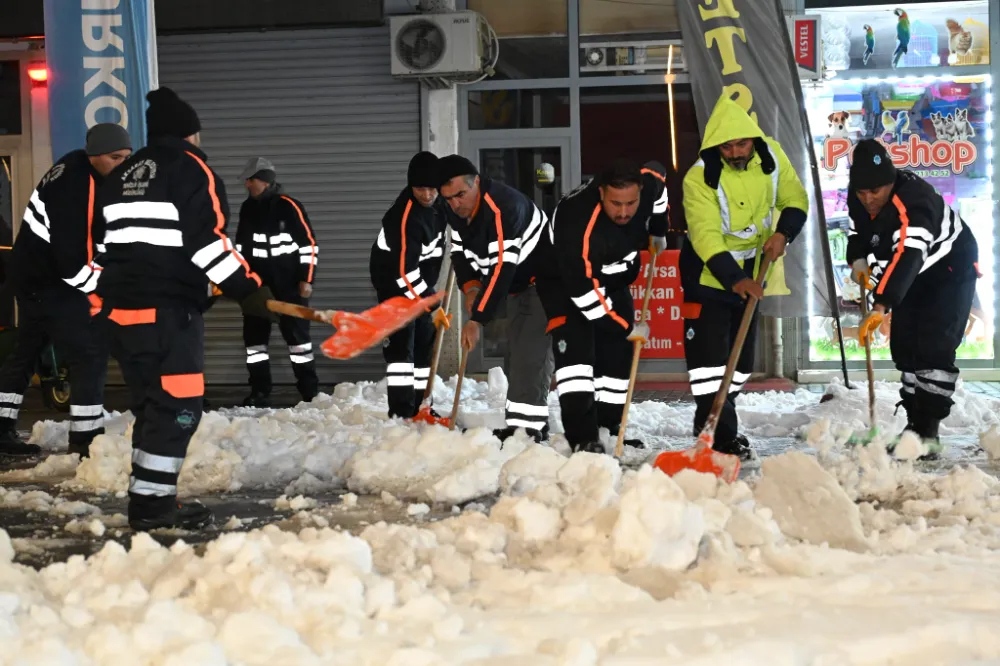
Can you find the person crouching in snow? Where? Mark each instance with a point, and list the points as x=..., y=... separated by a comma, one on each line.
x=405, y=261
x=919, y=259
x=730, y=198
x=590, y=253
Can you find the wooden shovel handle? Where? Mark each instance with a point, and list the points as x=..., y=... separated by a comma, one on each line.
x=868, y=362
x=439, y=339
x=300, y=311
x=636, y=352
x=458, y=390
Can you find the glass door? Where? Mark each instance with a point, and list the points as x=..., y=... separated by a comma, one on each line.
x=540, y=172
x=7, y=212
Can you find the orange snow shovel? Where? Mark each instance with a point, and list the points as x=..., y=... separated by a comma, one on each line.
x=425, y=415
x=702, y=458
x=636, y=351
x=357, y=332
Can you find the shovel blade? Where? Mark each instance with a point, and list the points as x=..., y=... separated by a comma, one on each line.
x=358, y=332
x=425, y=415
x=699, y=459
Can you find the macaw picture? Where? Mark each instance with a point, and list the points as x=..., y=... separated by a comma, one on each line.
x=869, y=44
x=902, y=35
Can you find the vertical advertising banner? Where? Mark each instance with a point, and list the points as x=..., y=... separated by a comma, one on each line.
x=101, y=57
x=666, y=324
x=741, y=48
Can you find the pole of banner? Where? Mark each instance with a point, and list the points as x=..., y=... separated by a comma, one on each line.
x=831, y=286
x=670, y=102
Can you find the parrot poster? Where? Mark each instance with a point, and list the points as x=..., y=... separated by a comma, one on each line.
x=869, y=44
x=902, y=36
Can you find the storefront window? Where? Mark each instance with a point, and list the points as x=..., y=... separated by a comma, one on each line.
x=937, y=127
x=628, y=38
x=533, y=42
x=518, y=109
x=10, y=97
x=889, y=36
x=634, y=122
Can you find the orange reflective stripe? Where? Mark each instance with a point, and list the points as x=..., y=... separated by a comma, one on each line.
x=904, y=224
x=654, y=173
x=690, y=310
x=590, y=269
x=555, y=323
x=470, y=285
x=496, y=271
x=402, y=252
x=184, y=386
x=90, y=223
x=133, y=317
x=312, y=241
x=220, y=219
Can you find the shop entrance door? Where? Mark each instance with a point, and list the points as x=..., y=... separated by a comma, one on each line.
x=540, y=171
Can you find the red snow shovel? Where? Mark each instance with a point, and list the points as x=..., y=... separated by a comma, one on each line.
x=702, y=458
x=425, y=415
x=357, y=332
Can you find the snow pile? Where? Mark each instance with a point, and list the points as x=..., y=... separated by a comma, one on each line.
x=345, y=440
x=577, y=562
x=42, y=502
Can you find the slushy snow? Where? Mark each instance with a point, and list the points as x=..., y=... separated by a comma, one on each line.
x=842, y=557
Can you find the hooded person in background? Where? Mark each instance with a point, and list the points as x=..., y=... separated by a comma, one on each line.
x=275, y=236
x=406, y=261
x=494, y=232
x=731, y=196
x=166, y=244
x=54, y=271
x=922, y=259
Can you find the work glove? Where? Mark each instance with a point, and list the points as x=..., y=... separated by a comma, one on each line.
x=213, y=290
x=442, y=320
x=255, y=304
x=640, y=333
x=870, y=324
x=305, y=289
x=657, y=244
x=861, y=274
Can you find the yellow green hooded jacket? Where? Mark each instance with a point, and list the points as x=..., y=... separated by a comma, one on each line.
x=730, y=213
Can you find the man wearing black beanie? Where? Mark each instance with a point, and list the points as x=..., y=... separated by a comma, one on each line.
x=166, y=245
x=494, y=232
x=53, y=269
x=924, y=273
x=405, y=261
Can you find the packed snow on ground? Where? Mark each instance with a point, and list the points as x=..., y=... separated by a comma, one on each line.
x=345, y=440
x=843, y=557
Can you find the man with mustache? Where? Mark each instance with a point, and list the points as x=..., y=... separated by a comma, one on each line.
x=731, y=196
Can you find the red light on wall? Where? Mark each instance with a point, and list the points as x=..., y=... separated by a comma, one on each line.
x=38, y=73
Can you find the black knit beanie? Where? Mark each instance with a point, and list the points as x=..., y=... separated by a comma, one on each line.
x=423, y=170
x=455, y=165
x=169, y=115
x=871, y=166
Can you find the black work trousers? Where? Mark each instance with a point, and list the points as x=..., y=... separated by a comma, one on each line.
x=407, y=354
x=295, y=331
x=592, y=363
x=60, y=315
x=161, y=352
x=710, y=330
x=927, y=328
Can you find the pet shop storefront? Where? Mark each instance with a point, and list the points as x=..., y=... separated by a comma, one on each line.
x=918, y=77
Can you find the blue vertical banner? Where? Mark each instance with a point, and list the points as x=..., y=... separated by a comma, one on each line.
x=101, y=57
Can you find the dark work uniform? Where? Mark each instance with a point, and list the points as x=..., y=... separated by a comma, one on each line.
x=277, y=240
x=923, y=258
x=406, y=261
x=166, y=216
x=54, y=271
x=588, y=264
x=495, y=252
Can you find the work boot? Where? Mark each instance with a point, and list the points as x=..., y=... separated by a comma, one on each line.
x=538, y=435
x=589, y=447
x=166, y=512
x=737, y=446
x=927, y=431
x=257, y=399
x=82, y=450
x=634, y=443
x=11, y=445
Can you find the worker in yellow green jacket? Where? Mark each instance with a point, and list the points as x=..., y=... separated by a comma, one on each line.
x=742, y=199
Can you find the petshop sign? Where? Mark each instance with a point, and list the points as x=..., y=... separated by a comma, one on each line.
x=913, y=152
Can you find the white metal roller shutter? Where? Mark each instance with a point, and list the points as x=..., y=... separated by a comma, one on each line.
x=340, y=130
